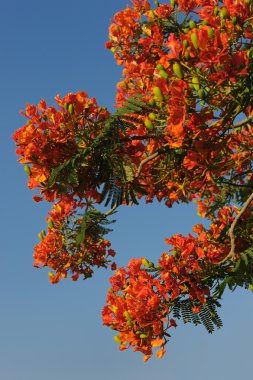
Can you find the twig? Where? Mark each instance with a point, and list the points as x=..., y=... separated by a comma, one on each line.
x=241, y=123
x=232, y=228
x=143, y=162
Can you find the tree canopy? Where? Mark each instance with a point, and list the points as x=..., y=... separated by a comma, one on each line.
x=181, y=132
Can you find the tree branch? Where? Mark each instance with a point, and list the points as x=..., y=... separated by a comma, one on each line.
x=231, y=254
x=143, y=162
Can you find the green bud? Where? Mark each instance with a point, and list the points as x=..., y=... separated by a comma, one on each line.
x=40, y=236
x=185, y=43
x=186, y=30
x=117, y=339
x=192, y=24
x=177, y=70
x=127, y=315
x=223, y=13
x=66, y=105
x=187, y=55
x=210, y=33
x=50, y=223
x=27, y=170
x=159, y=66
x=147, y=263
x=71, y=109
x=195, y=82
x=205, y=22
x=163, y=74
x=143, y=336
x=216, y=11
x=234, y=20
x=158, y=93
x=251, y=288
x=149, y=125
x=151, y=102
x=201, y=94
x=194, y=39
x=152, y=116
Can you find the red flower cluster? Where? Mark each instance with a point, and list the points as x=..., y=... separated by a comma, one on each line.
x=187, y=82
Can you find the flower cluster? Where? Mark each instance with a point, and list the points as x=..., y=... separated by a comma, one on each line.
x=182, y=132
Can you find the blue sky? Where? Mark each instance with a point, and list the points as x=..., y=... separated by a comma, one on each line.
x=55, y=332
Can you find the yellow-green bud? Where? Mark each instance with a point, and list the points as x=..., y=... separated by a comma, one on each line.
x=27, y=170
x=195, y=82
x=159, y=66
x=210, y=33
x=185, y=43
x=158, y=93
x=201, y=94
x=192, y=24
x=223, y=13
x=163, y=74
x=177, y=70
x=152, y=116
x=127, y=315
x=216, y=11
x=148, y=124
x=194, y=39
x=143, y=336
x=66, y=105
x=117, y=339
x=71, y=109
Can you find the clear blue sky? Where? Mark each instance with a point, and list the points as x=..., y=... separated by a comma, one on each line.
x=55, y=332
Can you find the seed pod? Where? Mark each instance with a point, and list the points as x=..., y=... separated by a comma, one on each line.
x=143, y=336
x=177, y=70
x=210, y=33
x=192, y=24
x=27, y=170
x=194, y=39
x=185, y=43
x=158, y=93
x=163, y=74
x=152, y=116
x=201, y=93
x=149, y=125
x=117, y=339
x=223, y=13
x=71, y=109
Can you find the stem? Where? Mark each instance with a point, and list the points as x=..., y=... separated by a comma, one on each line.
x=232, y=228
